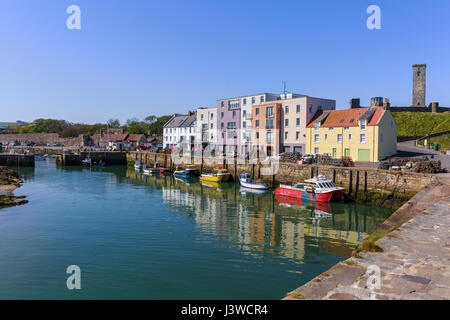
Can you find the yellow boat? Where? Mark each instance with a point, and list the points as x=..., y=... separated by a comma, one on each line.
x=220, y=176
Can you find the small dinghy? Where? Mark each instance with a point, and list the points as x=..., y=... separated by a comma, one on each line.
x=247, y=182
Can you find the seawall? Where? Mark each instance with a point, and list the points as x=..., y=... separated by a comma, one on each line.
x=368, y=185
x=16, y=160
x=406, y=257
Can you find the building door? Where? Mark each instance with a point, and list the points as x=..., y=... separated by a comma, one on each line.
x=364, y=155
x=347, y=152
x=334, y=152
x=269, y=151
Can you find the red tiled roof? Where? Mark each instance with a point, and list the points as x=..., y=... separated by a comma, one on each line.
x=347, y=117
x=114, y=137
x=134, y=137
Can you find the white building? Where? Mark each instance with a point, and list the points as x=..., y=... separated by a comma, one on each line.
x=206, y=126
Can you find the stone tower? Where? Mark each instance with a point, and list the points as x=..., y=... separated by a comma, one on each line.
x=419, y=84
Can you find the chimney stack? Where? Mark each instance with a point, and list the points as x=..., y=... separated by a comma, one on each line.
x=386, y=104
x=354, y=103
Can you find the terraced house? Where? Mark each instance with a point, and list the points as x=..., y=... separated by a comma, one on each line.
x=364, y=134
x=207, y=127
x=234, y=128
x=180, y=131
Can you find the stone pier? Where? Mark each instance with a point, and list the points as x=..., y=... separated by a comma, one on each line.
x=406, y=257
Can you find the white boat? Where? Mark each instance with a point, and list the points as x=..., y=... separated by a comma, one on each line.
x=38, y=157
x=137, y=165
x=247, y=182
x=87, y=161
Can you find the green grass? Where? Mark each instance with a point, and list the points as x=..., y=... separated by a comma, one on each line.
x=421, y=123
x=444, y=141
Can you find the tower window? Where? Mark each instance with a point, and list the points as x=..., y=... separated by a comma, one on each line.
x=418, y=73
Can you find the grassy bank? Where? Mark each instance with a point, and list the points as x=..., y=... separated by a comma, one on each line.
x=444, y=141
x=421, y=123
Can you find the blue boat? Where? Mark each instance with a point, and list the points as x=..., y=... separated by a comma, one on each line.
x=190, y=171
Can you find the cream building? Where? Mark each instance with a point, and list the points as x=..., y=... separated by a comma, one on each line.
x=364, y=134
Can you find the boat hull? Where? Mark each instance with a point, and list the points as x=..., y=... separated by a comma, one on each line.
x=256, y=186
x=338, y=195
x=212, y=178
x=321, y=197
x=186, y=174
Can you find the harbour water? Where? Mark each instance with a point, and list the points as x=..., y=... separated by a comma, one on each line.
x=151, y=237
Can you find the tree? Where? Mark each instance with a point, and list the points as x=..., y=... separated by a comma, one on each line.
x=114, y=123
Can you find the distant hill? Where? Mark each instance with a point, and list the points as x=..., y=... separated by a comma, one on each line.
x=421, y=123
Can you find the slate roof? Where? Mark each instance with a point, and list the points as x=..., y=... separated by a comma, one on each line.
x=175, y=121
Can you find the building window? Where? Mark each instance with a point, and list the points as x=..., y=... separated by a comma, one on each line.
x=330, y=129
x=326, y=137
x=222, y=125
x=235, y=104
x=316, y=150
x=244, y=101
x=269, y=111
x=316, y=126
x=362, y=138
x=298, y=108
x=257, y=123
x=346, y=128
x=257, y=135
x=339, y=138
x=297, y=122
x=244, y=113
x=212, y=137
x=310, y=108
x=316, y=138
x=201, y=116
x=285, y=135
x=212, y=116
x=349, y=137
x=257, y=111
x=222, y=104
x=286, y=122
x=269, y=137
x=211, y=125
x=269, y=124
x=231, y=125
x=286, y=109
x=297, y=135
x=261, y=99
x=244, y=124
x=221, y=115
x=234, y=114
x=253, y=100
x=287, y=149
x=362, y=124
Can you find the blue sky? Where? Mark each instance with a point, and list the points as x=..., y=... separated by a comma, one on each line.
x=136, y=58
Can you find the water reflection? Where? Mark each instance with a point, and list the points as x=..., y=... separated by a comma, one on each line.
x=264, y=222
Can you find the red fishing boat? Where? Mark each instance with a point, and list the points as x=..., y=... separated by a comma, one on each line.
x=318, y=189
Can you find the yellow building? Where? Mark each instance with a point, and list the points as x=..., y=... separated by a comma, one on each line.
x=364, y=134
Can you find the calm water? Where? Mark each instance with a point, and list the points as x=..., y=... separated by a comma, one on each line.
x=160, y=238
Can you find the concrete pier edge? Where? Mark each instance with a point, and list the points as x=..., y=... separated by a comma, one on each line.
x=414, y=261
